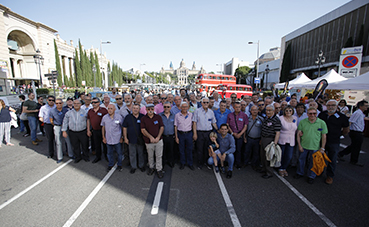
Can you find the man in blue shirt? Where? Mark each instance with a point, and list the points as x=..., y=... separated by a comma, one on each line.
x=226, y=147
x=221, y=114
x=168, y=134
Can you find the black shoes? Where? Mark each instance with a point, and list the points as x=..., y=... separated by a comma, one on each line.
x=216, y=169
x=297, y=176
x=109, y=168
x=77, y=160
x=191, y=167
x=171, y=164
x=182, y=166
x=86, y=159
x=357, y=164
x=132, y=171
x=310, y=180
x=143, y=169
x=267, y=176
x=96, y=160
x=222, y=170
x=160, y=174
x=340, y=158
x=229, y=175
x=150, y=171
x=119, y=168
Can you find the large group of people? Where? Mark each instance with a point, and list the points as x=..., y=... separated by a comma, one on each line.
x=193, y=130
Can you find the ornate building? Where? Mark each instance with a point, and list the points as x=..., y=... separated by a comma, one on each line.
x=182, y=72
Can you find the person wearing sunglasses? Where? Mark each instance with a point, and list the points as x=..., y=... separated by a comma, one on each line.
x=168, y=135
x=262, y=109
x=49, y=130
x=118, y=102
x=311, y=137
x=159, y=108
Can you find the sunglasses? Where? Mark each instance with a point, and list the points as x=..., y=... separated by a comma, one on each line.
x=52, y=100
x=163, y=98
x=58, y=103
x=233, y=97
x=261, y=104
x=166, y=106
x=118, y=98
x=95, y=102
x=312, y=113
x=205, y=102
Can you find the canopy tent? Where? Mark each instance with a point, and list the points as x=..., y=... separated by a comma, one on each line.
x=330, y=76
x=358, y=83
x=300, y=79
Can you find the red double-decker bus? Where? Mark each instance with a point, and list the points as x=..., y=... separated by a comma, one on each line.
x=226, y=90
x=209, y=82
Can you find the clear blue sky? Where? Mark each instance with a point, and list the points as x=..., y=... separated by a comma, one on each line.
x=157, y=32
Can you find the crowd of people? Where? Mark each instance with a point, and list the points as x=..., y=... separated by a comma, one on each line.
x=189, y=129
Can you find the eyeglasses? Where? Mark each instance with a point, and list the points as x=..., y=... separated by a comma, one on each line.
x=58, y=103
x=166, y=106
x=205, y=102
x=312, y=113
x=94, y=102
x=118, y=98
x=288, y=110
x=52, y=100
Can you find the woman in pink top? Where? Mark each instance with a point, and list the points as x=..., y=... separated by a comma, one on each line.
x=287, y=138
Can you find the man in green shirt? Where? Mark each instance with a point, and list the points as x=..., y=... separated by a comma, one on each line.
x=311, y=137
x=30, y=108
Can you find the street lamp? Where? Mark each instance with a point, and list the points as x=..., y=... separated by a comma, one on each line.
x=141, y=74
x=257, y=61
x=101, y=43
x=38, y=61
x=319, y=61
x=94, y=70
x=266, y=74
x=221, y=68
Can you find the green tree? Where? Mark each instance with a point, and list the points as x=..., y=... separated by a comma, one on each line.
x=88, y=69
x=110, y=82
x=286, y=65
x=66, y=81
x=211, y=72
x=82, y=63
x=241, y=73
x=99, y=78
x=78, y=76
x=57, y=63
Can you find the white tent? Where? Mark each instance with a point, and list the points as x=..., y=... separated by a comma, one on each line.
x=300, y=79
x=330, y=76
x=358, y=83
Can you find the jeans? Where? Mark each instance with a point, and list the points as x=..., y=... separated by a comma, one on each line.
x=252, y=148
x=21, y=125
x=301, y=163
x=136, y=153
x=32, y=121
x=332, y=151
x=185, y=148
x=118, y=149
x=287, y=151
x=229, y=158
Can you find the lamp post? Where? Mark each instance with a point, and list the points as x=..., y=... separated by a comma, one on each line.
x=221, y=68
x=101, y=43
x=266, y=74
x=38, y=61
x=319, y=61
x=257, y=61
x=94, y=70
x=141, y=74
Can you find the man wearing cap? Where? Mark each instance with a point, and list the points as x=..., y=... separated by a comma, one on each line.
x=152, y=128
x=69, y=105
x=203, y=123
x=75, y=121
x=94, y=117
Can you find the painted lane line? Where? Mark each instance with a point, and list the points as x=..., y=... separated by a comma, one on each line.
x=306, y=201
x=344, y=146
x=155, y=205
x=34, y=185
x=89, y=198
x=227, y=200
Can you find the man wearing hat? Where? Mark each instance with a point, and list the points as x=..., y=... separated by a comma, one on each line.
x=152, y=128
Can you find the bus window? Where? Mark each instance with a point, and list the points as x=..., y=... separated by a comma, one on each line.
x=227, y=78
x=218, y=78
x=230, y=88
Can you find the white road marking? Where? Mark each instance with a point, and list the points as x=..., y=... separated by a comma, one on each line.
x=344, y=146
x=307, y=202
x=34, y=185
x=156, y=203
x=227, y=200
x=89, y=198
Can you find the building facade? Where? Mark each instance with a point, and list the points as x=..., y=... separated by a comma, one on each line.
x=231, y=66
x=182, y=72
x=329, y=34
x=20, y=40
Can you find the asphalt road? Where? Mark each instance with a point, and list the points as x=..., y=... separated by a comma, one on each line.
x=35, y=191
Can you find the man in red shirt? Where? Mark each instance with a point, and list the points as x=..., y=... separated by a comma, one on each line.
x=94, y=117
x=152, y=128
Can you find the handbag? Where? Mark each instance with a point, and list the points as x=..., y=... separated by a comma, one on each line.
x=23, y=117
x=140, y=140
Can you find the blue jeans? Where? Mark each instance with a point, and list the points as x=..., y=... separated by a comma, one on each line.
x=332, y=151
x=118, y=149
x=229, y=158
x=21, y=125
x=287, y=151
x=185, y=148
x=32, y=121
x=301, y=164
x=252, y=148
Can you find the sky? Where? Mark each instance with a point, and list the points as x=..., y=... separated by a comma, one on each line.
x=154, y=33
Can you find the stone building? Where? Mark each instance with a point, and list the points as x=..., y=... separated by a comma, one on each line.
x=182, y=72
